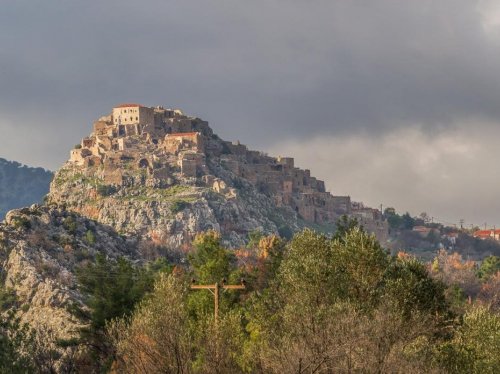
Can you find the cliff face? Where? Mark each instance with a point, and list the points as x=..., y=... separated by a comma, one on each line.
x=21, y=185
x=40, y=248
x=160, y=174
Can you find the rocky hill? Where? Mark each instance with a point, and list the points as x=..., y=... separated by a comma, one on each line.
x=21, y=185
x=40, y=247
x=143, y=183
x=165, y=176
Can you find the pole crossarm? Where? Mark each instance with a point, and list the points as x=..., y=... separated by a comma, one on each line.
x=214, y=289
x=202, y=287
x=233, y=287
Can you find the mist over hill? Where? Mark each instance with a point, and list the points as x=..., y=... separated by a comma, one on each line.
x=21, y=185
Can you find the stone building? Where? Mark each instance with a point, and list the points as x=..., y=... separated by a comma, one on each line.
x=191, y=163
x=193, y=141
x=132, y=114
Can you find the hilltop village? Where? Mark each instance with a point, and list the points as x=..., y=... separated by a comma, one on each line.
x=161, y=147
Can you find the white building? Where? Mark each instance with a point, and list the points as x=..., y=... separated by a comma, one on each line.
x=132, y=114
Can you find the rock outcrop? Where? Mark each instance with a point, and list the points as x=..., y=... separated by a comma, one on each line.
x=40, y=247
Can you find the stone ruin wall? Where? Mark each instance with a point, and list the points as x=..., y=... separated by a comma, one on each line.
x=287, y=184
x=176, y=139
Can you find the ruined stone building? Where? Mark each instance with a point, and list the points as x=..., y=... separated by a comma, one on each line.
x=157, y=147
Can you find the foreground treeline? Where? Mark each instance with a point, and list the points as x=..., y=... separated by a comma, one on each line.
x=312, y=305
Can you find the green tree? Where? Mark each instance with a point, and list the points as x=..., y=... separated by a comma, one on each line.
x=211, y=263
x=254, y=238
x=344, y=225
x=409, y=288
x=156, y=338
x=408, y=222
x=160, y=337
x=14, y=339
x=395, y=220
x=489, y=267
x=342, y=304
x=475, y=348
x=90, y=237
x=112, y=288
x=363, y=261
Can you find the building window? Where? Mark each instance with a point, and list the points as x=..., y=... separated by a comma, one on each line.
x=137, y=118
x=131, y=118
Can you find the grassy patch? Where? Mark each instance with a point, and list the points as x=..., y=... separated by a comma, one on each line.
x=142, y=194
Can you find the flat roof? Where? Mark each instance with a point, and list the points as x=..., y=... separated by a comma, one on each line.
x=127, y=105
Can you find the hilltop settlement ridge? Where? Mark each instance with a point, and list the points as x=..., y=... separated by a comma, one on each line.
x=163, y=156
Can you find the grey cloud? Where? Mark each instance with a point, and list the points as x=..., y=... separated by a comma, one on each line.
x=335, y=65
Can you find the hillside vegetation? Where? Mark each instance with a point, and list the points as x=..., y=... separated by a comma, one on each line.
x=315, y=304
x=21, y=185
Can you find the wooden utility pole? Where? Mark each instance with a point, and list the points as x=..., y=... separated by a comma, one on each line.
x=215, y=290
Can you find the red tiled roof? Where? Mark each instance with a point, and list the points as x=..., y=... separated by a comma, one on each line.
x=486, y=232
x=421, y=228
x=128, y=105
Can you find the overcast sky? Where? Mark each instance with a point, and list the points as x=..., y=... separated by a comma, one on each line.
x=392, y=102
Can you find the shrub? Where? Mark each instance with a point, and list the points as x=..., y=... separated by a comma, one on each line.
x=237, y=183
x=285, y=232
x=7, y=298
x=21, y=222
x=82, y=254
x=106, y=190
x=90, y=237
x=49, y=269
x=178, y=206
x=70, y=225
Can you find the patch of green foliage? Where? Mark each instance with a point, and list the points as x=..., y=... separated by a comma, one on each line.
x=70, y=225
x=106, y=190
x=90, y=237
x=254, y=238
x=142, y=193
x=334, y=303
x=7, y=298
x=178, y=206
x=16, y=345
x=211, y=262
x=285, y=232
x=21, y=222
x=396, y=221
x=489, y=266
x=112, y=289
